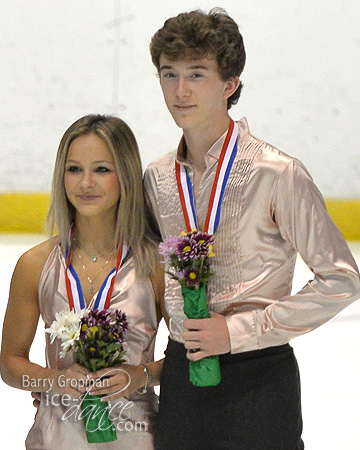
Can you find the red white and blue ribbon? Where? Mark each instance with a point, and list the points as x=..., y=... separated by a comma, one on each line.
x=73, y=285
x=186, y=197
x=226, y=160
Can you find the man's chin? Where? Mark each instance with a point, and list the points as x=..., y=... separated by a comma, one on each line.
x=182, y=122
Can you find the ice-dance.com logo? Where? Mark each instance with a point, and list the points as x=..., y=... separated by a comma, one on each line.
x=73, y=408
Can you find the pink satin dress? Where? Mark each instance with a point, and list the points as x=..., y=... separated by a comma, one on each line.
x=58, y=424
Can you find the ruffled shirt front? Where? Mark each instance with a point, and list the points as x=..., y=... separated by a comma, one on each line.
x=271, y=210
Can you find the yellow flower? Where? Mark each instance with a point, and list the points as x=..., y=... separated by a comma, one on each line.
x=92, y=331
x=187, y=248
x=192, y=275
x=211, y=253
x=183, y=233
x=84, y=326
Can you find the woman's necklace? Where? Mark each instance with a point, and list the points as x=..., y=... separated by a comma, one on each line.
x=74, y=289
x=91, y=281
x=95, y=257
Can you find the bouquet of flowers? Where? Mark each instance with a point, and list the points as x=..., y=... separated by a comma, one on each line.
x=96, y=341
x=188, y=259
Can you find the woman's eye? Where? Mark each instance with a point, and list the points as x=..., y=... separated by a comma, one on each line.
x=73, y=169
x=102, y=169
x=196, y=75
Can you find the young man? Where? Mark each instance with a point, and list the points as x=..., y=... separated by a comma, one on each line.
x=270, y=210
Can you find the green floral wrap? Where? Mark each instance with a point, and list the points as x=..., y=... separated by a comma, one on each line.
x=98, y=424
x=206, y=371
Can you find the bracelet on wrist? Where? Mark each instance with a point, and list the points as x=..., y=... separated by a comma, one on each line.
x=148, y=380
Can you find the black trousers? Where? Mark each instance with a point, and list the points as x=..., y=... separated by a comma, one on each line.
x=256, y=406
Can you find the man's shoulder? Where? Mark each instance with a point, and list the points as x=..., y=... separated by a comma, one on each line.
x=162, y=164
x=251, y=145
x=268, y=156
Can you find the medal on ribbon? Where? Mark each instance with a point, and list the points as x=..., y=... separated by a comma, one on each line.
x=226, y=160
x=73, y=285
x=98, y=426
x=205, y=372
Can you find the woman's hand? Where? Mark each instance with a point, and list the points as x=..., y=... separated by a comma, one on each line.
x=37, y=398
x=117, y=382
x=74, y=381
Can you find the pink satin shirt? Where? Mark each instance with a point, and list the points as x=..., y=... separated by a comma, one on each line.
x=271, y=211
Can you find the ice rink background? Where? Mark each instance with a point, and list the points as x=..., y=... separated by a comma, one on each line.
x=328, y=358
x=301, y=81
x=63, y=60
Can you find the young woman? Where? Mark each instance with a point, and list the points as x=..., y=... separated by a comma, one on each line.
x=97, y=194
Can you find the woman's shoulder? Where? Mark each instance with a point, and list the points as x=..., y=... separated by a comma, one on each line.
x=33, y=260
x=27, y=273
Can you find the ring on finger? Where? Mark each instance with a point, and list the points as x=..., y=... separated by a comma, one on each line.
x=195, y=350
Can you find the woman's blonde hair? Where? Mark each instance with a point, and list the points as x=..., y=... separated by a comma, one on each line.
x=131, y=223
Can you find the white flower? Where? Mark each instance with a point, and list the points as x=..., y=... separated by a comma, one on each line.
x=67, y=328
x=66, y=346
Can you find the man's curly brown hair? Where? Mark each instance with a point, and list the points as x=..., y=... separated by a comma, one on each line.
x=196, y=35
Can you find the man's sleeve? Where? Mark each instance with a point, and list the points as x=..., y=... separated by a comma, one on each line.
x=300, y=213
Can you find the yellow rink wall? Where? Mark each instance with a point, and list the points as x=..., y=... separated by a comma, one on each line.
x=26, y=213
x=23, y=212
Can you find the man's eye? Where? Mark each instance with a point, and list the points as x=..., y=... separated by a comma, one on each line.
x=169, y=75
x=196, y=75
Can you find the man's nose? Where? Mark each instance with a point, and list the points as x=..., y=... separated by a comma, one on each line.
x=182, y=87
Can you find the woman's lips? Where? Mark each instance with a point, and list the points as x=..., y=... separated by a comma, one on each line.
x=88, y=198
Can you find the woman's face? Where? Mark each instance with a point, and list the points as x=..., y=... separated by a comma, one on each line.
x=91, y=182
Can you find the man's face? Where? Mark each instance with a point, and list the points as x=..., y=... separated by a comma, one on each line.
x=194, y=93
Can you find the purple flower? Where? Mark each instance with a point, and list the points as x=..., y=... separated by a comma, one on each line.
x=89, y=321
x=122, y=323
x=83, y=330
x=192, y=277
x=204, y=244
x=186, y=248
x=101, y=316
x=168, y=247
x=92, y=349
x=119, y=329
x=98, y=324
x=116, y=333
x=98, y=318
x=188, y=257
x=203, y=238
